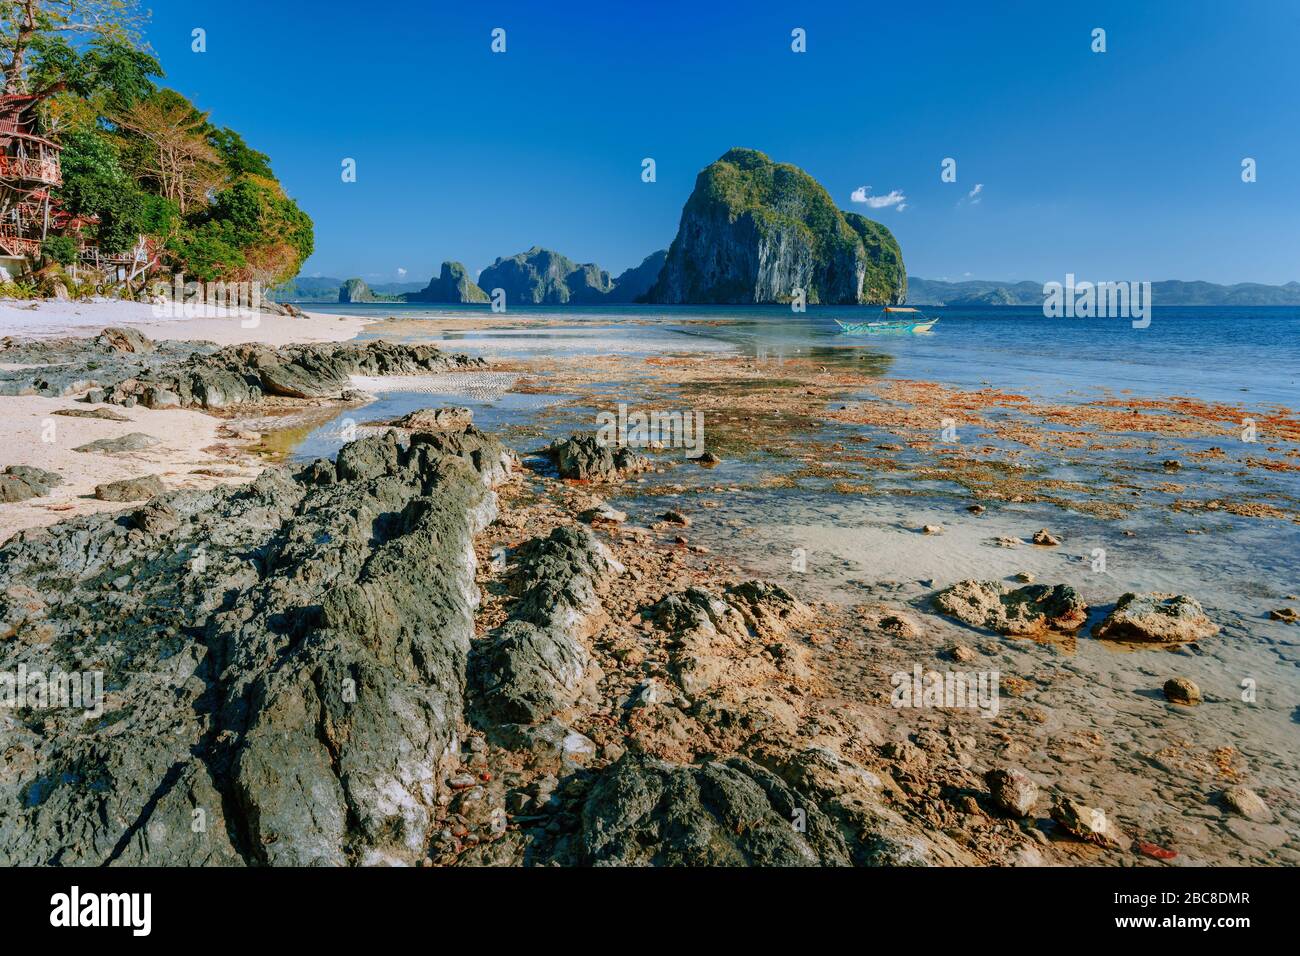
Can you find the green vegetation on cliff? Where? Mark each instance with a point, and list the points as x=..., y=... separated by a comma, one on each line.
x=755, y=231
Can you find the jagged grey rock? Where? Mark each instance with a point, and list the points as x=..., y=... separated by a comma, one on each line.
x=732, y=812
x=133, y=441
x=200, y=375
x=584, y=457
x=21, y=482
x=284, y=662
x=130, y=489
x=535, y=664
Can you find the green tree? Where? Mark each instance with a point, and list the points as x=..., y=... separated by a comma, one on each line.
x=240, y=158
x=256, y=216
x=26, y=24
x=60, y=249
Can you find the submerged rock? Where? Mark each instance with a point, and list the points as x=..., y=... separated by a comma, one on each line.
x=602, y=513
x=1156, y=618
x=1032, y=609
x=435, y=419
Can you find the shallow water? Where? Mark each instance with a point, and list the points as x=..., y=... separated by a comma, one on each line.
x=851, y=548
x=1229, y=355
x=1215, y=354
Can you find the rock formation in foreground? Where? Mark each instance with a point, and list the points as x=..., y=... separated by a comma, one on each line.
x=452, y=284
x=754, y=231
x=124, y=367
x=283, y=662
x=291, y=675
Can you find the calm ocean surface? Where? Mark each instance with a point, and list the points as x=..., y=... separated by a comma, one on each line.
x=1239, y=354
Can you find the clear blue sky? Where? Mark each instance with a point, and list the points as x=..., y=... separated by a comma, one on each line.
x=1123, y=166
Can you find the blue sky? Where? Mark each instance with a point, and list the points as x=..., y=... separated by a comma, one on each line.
x=1121, y=166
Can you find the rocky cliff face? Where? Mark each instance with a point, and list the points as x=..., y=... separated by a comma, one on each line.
x=452, y=284
x=542, y=277
x=632, y=285
x=355, y=290
x=755, y=231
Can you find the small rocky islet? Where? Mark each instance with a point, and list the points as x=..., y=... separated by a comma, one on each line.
x=421, y=653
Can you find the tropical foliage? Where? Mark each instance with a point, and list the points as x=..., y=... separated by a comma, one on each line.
x=142, y=159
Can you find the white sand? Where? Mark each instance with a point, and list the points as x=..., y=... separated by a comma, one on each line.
x=31, y=435
x=47, y=319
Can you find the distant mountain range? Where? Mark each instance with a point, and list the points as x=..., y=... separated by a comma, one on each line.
x=326, y=289
x=536, y=276
x=981, y=293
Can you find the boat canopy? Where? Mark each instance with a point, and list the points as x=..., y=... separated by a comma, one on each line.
x=893, y=308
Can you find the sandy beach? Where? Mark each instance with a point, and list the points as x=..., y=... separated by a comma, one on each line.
x=51, y=319
x=194, y=450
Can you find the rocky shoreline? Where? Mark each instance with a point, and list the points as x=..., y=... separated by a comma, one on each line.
x=121, y=366
x=421, y=653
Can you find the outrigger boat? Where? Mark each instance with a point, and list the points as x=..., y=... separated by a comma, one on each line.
x=915, y=322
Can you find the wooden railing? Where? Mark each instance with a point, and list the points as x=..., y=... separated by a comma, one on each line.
x=21, y=246
x=31, y=170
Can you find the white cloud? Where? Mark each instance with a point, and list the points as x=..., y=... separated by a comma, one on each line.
x=974, y=194
x=893, y=198
x=400, y=271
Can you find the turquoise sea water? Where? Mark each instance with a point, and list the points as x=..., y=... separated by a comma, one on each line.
x=1218, y=354
x=1233, y=355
